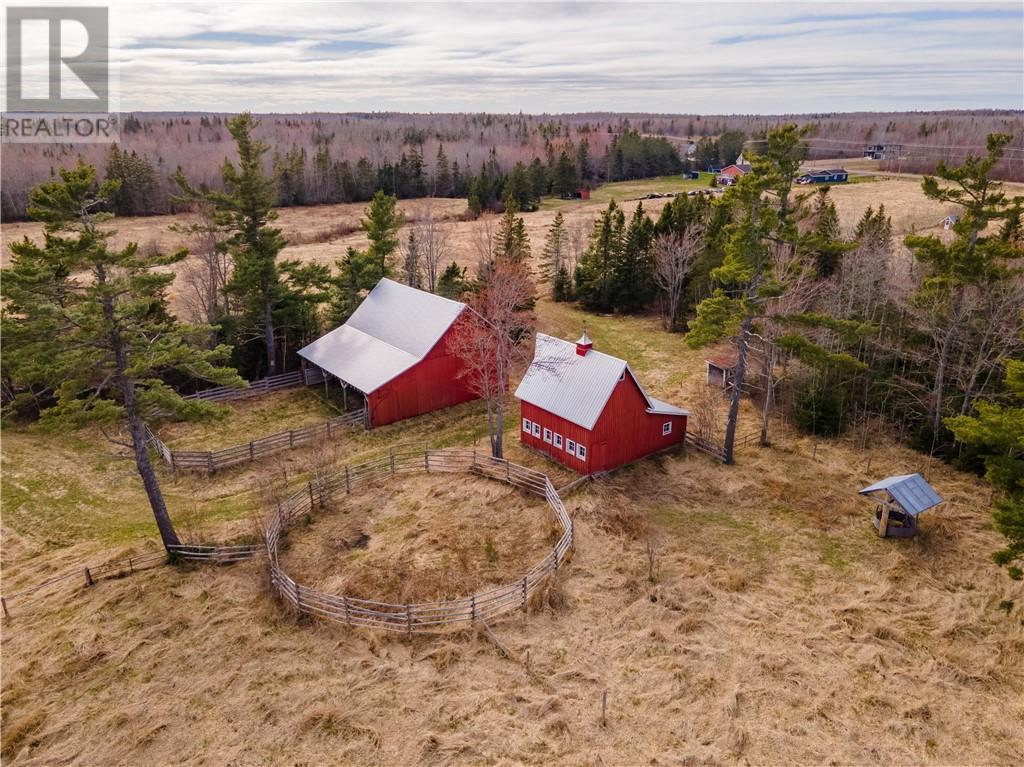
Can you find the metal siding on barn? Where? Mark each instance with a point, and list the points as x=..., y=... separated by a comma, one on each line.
x=431, y=384
x=558, y=425
x=626, y=431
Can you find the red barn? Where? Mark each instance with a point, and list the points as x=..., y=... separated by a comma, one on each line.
x=586, y=409
x=394, y=351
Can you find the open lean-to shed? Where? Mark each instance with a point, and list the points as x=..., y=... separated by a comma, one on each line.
x=900, y=500
x=395, y=351
x=586, y=409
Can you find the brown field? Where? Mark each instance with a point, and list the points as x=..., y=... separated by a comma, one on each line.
x=421, y=539
x=744, y=614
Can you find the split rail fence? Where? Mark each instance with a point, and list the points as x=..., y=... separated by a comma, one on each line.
x=254, y=389
x=214, y=460
x=120, y=568
x=713, y=448
x=427, y=616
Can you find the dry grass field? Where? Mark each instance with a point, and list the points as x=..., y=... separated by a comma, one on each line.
x=777, y=627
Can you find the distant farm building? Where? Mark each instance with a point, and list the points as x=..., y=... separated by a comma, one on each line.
x=395, y=352
x=883, y=151
x=579, y=194
x=586, y=409
x=830, y=176
x=900, y=499
x=730, y=174
x=949, y=221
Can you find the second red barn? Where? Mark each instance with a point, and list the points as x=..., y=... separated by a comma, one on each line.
x=586, y=409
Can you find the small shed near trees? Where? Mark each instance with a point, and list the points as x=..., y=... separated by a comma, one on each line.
x=899, y=501
x=395, y=352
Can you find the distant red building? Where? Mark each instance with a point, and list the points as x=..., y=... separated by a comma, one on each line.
x=586, y=409
x=395, y=352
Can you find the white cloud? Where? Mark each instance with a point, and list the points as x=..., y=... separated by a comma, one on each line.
x=683, y=57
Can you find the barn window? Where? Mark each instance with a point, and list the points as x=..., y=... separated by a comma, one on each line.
x=622, y=376
x=558, y=441
x=547, y=435
x=581, y=452
x=570, y=447
x=536, y=429
x=527, y=426
x=666, y=428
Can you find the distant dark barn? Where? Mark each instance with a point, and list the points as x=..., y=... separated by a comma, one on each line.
x=395, y=351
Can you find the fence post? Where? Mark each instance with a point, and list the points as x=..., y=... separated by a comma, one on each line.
x=408, y=620
x=472, y=608
x=209, y=462
x=131, y=568
x=392, y=452
x=252, y=454
x=344, y=601
x=291, y=438
x=328, y=428
x=507, y=477
x=280, y=520
x=88, y=577
x=3, y=601
x=525, y=605
x=298, y=598
x=348, y=487
x=174, y=469
x=310, y=485
x=426, y=460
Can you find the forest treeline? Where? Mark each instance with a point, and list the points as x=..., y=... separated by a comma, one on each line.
x=346, y=157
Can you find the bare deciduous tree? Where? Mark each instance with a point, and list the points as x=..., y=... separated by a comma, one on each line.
x=205, y=274
x=490, y=341
x=432, y=235
x=674, y=255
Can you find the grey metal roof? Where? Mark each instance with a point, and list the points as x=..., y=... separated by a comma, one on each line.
x=910, y=491
x=394, y=328
x=575, y=387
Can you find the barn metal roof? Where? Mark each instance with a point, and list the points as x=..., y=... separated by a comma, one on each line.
x=394, y=328
x=576, y=387
x=910, y=491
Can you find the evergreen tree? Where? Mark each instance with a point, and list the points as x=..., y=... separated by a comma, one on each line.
x=453, y=281
x=411, y=263
x=825, y=239
x=135, y=192
x=973, y=261
x=595, y=275
x=244, y=210
x=553, y=257
x=381, y=224
x=998, y=433
x=511, y=244
x=442, y=174
x=634, y=286
x=564, y=180
x=100, y=345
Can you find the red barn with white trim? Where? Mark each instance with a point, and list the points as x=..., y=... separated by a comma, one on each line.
x=395, y=350
x=586, y=409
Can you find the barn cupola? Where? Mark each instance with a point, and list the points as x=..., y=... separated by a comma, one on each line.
x=584, y=345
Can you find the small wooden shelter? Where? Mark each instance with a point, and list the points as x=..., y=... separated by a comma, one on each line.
x=900, y=499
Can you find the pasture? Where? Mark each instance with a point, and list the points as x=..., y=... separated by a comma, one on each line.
x=732, y=614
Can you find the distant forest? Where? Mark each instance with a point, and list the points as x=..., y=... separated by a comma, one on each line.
x=327, y=158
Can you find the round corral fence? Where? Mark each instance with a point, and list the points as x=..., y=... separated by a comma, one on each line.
x=427, y=616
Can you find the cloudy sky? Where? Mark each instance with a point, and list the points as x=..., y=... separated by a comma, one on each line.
x=545, y=57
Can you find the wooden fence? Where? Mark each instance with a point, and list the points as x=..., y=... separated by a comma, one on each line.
x=214, y=460
x=88, y=575
x=254, y=389
x=713, y=448
x=429, y=616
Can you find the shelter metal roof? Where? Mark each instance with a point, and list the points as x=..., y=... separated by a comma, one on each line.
x=910, y=491
x=576, y=387
x=394, y=328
